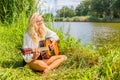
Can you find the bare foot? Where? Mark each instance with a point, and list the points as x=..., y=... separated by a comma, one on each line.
x=46, y=70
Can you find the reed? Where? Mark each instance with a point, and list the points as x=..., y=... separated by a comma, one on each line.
x=11, y=10
x=84, y=62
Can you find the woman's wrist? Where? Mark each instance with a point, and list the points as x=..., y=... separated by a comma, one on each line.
x=35, y=56
x=53, y=41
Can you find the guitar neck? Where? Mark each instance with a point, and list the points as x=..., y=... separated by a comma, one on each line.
x=43, y=49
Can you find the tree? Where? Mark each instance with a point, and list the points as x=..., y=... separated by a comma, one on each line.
x=66, y=12
x=106, y=9
x=116, y=8
x=83, y=8
x=97, y=8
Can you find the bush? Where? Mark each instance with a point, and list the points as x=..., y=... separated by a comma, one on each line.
x=92, y=18
x=59, y=19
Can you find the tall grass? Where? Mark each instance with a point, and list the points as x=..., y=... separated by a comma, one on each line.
x=83, y=62
x=12, y=9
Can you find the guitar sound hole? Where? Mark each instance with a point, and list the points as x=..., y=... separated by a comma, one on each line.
x=41, y=44
x=52, y=52
x=42, y=52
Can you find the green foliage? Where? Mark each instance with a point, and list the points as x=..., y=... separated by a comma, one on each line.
x=84, y=62
x=48, y=17
x=92, y=18
x=116, y=7
x=68, y=19
x=59, y=19
x=99, y=8
x=74, y=19
x=12, y=9
x=83, y=8
x=66, y=12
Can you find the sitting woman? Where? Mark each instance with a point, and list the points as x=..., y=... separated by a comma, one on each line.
x=36, y=32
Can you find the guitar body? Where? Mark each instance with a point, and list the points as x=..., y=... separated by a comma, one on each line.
x=46, y=43
x=55, y=51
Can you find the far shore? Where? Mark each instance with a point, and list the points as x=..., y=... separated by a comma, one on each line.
x=86, y=19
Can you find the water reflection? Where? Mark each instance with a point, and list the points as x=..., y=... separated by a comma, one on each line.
x=106, y=34
x=79, y=30
x=96, y=33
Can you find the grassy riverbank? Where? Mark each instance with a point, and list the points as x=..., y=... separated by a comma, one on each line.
x=84, y=62
x=87, y=19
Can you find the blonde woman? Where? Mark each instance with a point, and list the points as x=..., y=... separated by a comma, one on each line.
x=36, y=32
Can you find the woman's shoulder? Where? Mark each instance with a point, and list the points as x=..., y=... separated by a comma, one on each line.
x=26, y=35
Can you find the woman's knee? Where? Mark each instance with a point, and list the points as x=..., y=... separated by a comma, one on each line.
x=38, y=65
x=64, y=57
x=59, y=57
x=53, y=58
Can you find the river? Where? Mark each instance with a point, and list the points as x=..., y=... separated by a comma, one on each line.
x=92, y=32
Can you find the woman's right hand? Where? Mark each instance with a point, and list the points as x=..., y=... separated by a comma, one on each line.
x=36, y=53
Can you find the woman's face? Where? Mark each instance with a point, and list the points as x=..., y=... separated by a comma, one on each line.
x=39, y=20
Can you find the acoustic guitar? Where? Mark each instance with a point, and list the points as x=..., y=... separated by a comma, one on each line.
x=44, y=49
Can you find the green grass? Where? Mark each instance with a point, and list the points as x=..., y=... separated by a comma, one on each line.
x=84, y=63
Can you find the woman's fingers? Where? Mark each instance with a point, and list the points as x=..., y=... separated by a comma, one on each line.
x=51, y=46
x=36, y=50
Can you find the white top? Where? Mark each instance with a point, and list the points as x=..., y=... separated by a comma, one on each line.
x=28, y=43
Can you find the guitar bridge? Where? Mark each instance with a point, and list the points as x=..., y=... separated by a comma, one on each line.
x=42, y=53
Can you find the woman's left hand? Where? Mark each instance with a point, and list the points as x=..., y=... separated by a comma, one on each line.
x=52, y=45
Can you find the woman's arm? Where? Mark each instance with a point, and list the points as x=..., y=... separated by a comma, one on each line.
x=28, y=43
x=51, y=35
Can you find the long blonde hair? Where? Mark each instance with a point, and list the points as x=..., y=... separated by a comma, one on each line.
x=34, y=30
